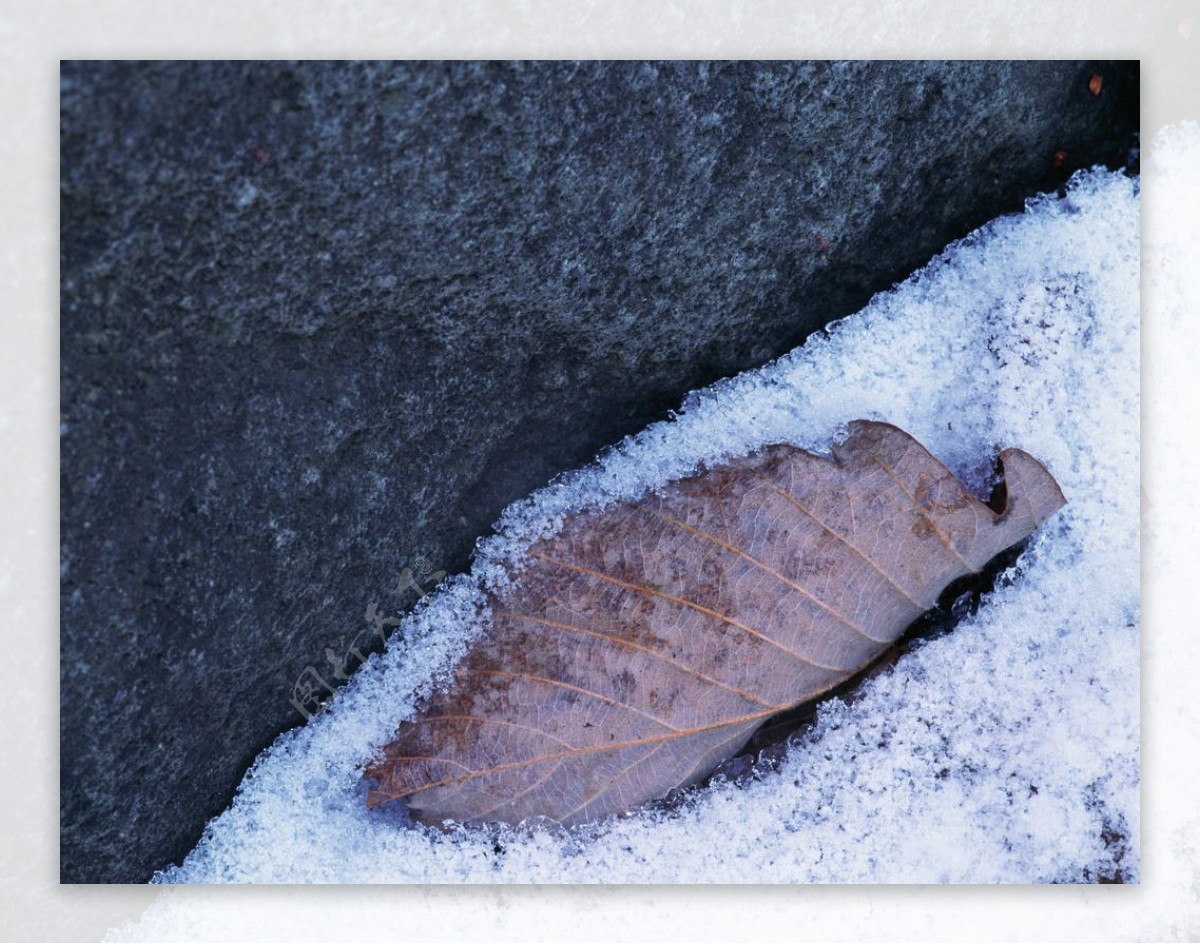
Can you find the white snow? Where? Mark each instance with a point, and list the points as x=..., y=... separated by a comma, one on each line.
x=1005, y=751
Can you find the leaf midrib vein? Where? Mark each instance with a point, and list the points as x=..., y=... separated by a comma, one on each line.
x=580, y=752
x=766, y=568
x=783, y=492
x=618, y=641
x=681, y=601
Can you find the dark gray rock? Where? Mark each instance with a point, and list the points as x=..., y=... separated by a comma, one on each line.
x=322, y=322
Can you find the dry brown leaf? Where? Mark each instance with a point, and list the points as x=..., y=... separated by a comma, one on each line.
x=646, y=642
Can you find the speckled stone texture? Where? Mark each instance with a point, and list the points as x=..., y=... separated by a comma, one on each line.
x=321, y=322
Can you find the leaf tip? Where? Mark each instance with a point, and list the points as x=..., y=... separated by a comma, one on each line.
x=1028, y=488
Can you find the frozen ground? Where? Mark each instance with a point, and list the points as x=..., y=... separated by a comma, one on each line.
x=1006, y=751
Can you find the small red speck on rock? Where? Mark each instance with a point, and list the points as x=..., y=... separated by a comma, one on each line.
x=822, y=244
x=259, y=153
x=1060, y=158
x=1095, y=84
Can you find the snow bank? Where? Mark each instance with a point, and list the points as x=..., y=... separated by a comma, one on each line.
x=1006, y=751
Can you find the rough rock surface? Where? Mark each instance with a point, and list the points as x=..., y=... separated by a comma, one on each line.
x=322, y=321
